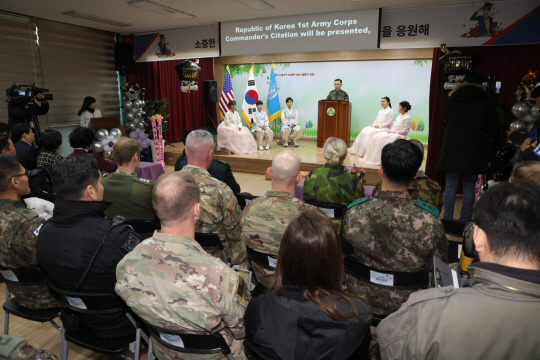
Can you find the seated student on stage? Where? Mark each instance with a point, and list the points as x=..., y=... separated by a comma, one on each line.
x=81, y=140
x=399, y=130
x=382, y=123
x=219, y=169
x=333, y=183
x=308, y=315
x=19, y=227
x=422, y=187
x=261, y=127
x=290, y=122
x=131, y=196
x=23, y=138
x=232, y=135
x=496, y=317
x=50, y=143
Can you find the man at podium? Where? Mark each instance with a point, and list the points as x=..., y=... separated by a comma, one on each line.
x=337, y=93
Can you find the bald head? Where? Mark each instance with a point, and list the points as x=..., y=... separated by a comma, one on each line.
x=199, y=143
x=174, y=195
x=285, y=167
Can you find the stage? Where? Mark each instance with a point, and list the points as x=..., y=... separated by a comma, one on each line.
x=310, y=155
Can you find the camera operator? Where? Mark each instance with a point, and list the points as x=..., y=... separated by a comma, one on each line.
x=19, y=110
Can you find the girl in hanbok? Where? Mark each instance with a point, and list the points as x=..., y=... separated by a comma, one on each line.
x=382, y=123
x=399, y=130
x=232, y=135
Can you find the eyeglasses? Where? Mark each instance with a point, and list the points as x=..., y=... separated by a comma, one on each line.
x=26, y=172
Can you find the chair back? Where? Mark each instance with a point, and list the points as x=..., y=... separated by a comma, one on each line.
x=211, y=243
x=190, y=343
x=87, y=302
x=28, y=275
x=144, y=227
x=334, y=211
x=244, y=199
x=454, y=227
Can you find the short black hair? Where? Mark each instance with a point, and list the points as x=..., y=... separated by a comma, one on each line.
x=4, y=142
x=232, y=102
x=288, y=98
x=9, y=166
x=508, y=214
x=5, y=128
x=70, y=176
x=400, y=161
x=259, y=102
x=339, y=81
x=18, y=130
x=50, y=140
x=81, y=137
x=405, y=105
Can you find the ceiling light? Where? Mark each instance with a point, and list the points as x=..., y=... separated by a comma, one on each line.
x=257, y=4
x=161, y=9
x=94, y=18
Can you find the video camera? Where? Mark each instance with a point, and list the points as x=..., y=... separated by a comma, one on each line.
x=26, y=93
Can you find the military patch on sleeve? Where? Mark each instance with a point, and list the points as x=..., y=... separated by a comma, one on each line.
x=241, y=292
x=36, y=230
x=233, y=202
x=428, y=207
x=27, y=213
x=358, y=201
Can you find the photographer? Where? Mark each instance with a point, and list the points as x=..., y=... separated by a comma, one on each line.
x=21, y=111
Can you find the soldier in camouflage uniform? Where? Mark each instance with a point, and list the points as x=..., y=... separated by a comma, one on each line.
x=333, y=183
x=16, y=348
x=19, y=228
x=392, y=233
x=265, y=219
x=220, y=213
x=131, y=196
x=172, y=283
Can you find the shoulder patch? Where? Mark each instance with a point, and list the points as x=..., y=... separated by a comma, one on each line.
x=233, y=202
x=429, y=294
x=37, y=229
x=240, y=291
x=144, y=181
x=26, y=213
x=428, y=207
x=358, y=201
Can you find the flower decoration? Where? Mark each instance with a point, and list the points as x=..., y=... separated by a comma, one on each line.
x=156, y=117
x=359, y=172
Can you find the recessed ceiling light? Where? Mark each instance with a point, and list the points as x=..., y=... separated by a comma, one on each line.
x=161, y=9
x=94, y=18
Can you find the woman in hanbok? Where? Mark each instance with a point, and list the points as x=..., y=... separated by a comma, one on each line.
x=399, y=130
x=232, y=135
x=382, y=123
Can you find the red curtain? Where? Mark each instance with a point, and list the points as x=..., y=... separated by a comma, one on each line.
x=507, y=63
x=188, y=110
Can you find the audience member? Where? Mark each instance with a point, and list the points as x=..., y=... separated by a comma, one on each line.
x=333, y=183
x=261, y=127
x=220, y=212
x=5, y=129
x=308, y=315
x=219, y=169
x=470, y=125
x=78, y=247
x=391, y=234
x=265, y=218
x=6, y=145
x=501, y=308
x=50, y=143
x=422, y=187
x=232, y=135
x=81, y=140
x=131, y=197
x=16, y=348
x=155, y=283
x=19, y=228
x=23, y=138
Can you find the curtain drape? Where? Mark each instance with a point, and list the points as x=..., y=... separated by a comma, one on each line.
x=188, y=110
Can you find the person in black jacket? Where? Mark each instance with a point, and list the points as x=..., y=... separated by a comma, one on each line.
x=307, y=315
x=23, y=138
x=470, y=125
x=79, y=237
x=21, y=111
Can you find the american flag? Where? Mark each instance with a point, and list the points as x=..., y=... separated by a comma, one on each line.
x=226, y=94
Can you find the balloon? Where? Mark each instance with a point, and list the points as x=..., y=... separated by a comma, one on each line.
x=97, y=147
x=131, y=126
x=142, y=103
x=134, y=109
x=134, y=135
x=145, y=144
x=101, y=134
x=110, y=138
x=528, y=118
x=138, y=116
x=142, y=135
x=529, y=127
x=106, y=148
x=137, y=103
x=141, y=125
x=535, y=111
x=130, y=116
x=128, y=105
x=517, y=125
x=116, y=133
x=520, y=108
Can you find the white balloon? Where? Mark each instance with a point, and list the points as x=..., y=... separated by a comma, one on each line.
x=106, y=148
x=115, y=132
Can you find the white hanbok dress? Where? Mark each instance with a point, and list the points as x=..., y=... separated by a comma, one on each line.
x=399, y=130
x=235, y=137
x=383, y=121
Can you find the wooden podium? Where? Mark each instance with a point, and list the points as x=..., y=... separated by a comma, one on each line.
x=334, y=120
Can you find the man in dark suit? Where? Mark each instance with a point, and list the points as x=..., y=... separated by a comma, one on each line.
x=218, y=169
x=23, y=137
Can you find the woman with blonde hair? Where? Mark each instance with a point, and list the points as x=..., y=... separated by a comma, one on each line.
x=333, y=183
x=307, y=315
